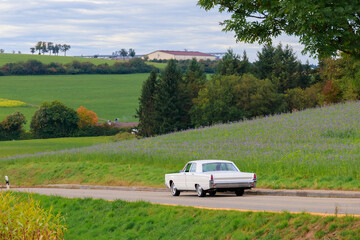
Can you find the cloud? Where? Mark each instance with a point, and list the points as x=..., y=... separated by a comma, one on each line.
x=101, y=27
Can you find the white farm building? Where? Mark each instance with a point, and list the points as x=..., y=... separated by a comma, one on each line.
x=179, y=55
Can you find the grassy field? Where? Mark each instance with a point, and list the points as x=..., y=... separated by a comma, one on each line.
x=100, y=219
x=110, y=96
x=21, y=147
x=312, y=149
x=13, y=58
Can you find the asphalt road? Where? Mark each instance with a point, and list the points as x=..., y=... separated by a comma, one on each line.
x=220, y=201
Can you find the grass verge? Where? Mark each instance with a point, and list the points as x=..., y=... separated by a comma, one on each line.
x=100, y=219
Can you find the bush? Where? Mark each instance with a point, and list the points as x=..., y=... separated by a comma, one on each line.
x=98, y=130
x=54, y=120
x=86, y=117
x=24, y=219
x=12, y=127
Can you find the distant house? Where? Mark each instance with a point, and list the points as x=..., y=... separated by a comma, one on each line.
x=179, y=55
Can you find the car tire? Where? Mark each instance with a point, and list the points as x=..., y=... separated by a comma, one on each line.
x=174, y=190
x=239, y=192
x=200, y=191
x=212, y=193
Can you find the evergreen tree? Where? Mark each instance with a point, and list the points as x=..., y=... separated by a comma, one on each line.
x=146, y=110
x=169, y=107
x=230, y=64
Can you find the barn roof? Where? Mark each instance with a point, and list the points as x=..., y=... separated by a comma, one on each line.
x=186, y=53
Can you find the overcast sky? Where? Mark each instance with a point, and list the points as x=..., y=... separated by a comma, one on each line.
x=104, y=26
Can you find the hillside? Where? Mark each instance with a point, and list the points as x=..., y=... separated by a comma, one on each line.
x=110, y=96
x=315, y=148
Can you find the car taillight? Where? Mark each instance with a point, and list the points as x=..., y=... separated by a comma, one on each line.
x=254, y=176
x=212, y=178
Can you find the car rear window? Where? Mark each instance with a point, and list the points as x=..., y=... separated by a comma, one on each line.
x=218, y=166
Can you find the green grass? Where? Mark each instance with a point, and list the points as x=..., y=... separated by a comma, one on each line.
x=13, y=58
x=26, y=110
x=21, y=147
x=100, y=219
x=312, y=149
x=157, y=65
x=109, y=96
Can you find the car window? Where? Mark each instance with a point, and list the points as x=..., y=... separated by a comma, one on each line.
x=187, y=168
x=218, y=166
x=193, y=167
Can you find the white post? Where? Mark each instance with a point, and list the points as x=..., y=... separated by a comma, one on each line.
x=7, y=183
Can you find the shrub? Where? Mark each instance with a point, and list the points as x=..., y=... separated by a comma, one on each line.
x=25, y=219
x=54, y=120
x=12, y=127
x=86, y=117
x=98, y=130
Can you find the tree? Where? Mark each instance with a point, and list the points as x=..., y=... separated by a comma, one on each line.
x=86, y=117
x=230, y=64
x=324, y=27
x=169, y=107
x=123, y=53
x=131, y=52
x=56, y=49
x=54, y=119
x=38, y=47
x=32, y=50
x=65, y=48
x=146, y=111
x=12, y=127
x=44, y=48
x=50, y=47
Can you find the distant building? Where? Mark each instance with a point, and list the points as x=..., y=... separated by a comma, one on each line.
x=179, y=55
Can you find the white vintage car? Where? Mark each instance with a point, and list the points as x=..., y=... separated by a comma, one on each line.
x=210, y=176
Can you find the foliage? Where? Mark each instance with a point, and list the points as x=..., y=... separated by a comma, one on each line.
x=86, y=117
x=169, y=107
x=231, y=64
x=146, y=111
x=324, y=27
x=12, y=127
x=36, y=67
x=54, y=119
x=24, y=218
x=231, y=98
x=97, y=130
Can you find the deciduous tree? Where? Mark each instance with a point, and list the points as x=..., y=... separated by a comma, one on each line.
x=324, y=27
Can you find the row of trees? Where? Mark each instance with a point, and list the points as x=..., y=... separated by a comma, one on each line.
x=51, y=48
x=124, y=53
x=34, y=67
x=277, y=82
x=53, y=120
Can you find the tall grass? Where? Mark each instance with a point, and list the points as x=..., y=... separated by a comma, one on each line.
x=23, y=218
x=316, y=148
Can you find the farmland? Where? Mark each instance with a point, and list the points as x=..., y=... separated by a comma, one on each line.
x=110, y=96
x=315, y=148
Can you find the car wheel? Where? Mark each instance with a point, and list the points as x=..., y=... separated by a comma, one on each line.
x=200, y=191
x=239, y=192
x=212, y=193
x=174, y=190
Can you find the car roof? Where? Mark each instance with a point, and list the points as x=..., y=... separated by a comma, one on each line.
x=210, y=161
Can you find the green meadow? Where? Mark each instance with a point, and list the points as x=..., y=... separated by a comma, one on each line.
x=109, y=96
x=100, y=219
x=312, y=149
x=21, y=147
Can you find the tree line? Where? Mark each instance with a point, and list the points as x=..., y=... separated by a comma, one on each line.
x=276, y=83
x=54, y=120
x=34, y=67
x=50, y=47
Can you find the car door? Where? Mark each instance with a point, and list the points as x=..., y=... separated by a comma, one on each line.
x=180, y=180
x=191, y=177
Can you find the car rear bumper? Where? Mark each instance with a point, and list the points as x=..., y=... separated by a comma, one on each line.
x=230, y=185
